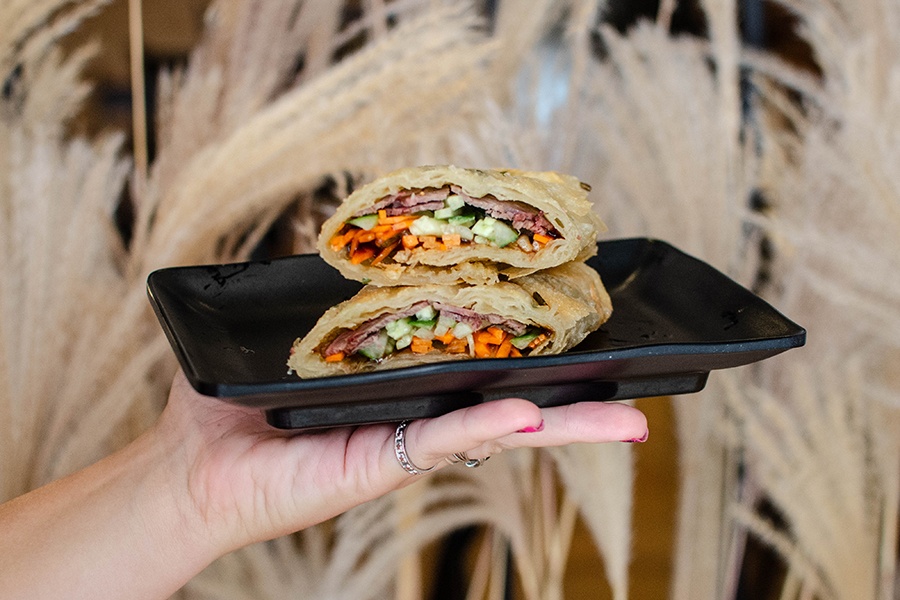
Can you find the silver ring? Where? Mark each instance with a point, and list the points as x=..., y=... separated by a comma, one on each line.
x=462, y=457
x=401, y=453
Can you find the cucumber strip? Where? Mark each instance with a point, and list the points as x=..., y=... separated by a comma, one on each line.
x=521, y=342
x=366, y=222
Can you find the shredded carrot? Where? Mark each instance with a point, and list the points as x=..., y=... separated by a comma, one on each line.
x=386, y=220
x=541, y=239
x=365, y=236
x=401, y=225
x=361, y=254
x=384, y=253
x=382, y=229
x=504, y=350
x=420, y=346
x=514, y=352
x=452, y=240
x=446, y=339
x=342, y=239
x=491, y=336
x=410, y=241
x=458, y=346
x=538, y=341
x=384, y=238
x=498, y=334
x=382, y=214
x=336, y=357
x=482, y=350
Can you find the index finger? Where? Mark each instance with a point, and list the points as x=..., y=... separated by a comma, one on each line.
x=488, y=428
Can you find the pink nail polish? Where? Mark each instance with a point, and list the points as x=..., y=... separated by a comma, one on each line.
x=639, y=440
x=532, y=429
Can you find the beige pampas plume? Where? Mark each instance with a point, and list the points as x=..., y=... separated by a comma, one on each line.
x=664, y=142
x=832, y=177
x=339, y=120
x=29, y=27
x=828, y=460
x=60, y=260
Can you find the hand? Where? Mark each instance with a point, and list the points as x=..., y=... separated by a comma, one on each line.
x=247, y=481
x=210, y=477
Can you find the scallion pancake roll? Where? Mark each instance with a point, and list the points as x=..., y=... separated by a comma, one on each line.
x=391, y=327
x=446, y=224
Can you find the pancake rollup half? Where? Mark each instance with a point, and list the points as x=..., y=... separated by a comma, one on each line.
x=380, y=328
x=447, y=224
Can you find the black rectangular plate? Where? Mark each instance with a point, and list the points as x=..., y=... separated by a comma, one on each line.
x=675, y=319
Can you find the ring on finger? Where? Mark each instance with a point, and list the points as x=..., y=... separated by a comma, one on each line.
x=462, y=457
x=401, y=453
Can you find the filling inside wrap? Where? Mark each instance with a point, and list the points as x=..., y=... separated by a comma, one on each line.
x=395, y=227
x=426, y=327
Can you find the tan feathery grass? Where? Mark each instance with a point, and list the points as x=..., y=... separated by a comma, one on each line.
x=61, y=254
x=669, y=163
x=827, y=460
x=834, y=188
x=336, y=121
x=28, y=28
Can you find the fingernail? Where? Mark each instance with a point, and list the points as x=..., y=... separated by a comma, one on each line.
x=639, y=440
x=532, y=429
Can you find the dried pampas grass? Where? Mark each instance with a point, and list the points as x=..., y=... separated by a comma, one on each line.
x=828, y=460
x=60, y=271
x=281, y=99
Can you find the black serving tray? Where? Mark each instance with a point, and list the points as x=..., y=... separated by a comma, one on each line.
x=675, y=319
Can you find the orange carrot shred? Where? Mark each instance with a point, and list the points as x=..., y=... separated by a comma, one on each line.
x=497, y=334
x=360, y=255
x=385, y=253
x=504, y=349
x=420, y=345
x=446, y=339
x=515, y=352
x=458, y=346
x=365, y=236
x=538, y=341
x=482, y=350
x=410, y=241
x=541, y=239
x=336, y=357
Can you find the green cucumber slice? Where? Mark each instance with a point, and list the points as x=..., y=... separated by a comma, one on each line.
x=521, y=342
x=377, y=347
x=419, y=324
x=427, y=226
x=426, y=314
x=445, y=213
x=498, y=232
x=399, y=328
x=366, y=222
x=462, y=220
x=454, y=201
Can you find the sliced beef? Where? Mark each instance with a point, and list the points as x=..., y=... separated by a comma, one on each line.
x=461, y=315
x=351, y=340
x=521, y=215
x=510, y=325
x=476, y=321
x=407, y=202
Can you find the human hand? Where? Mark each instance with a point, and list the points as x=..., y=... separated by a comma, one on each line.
x=245, y=481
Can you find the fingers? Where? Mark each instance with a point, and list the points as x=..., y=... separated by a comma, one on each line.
x=489, y=428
